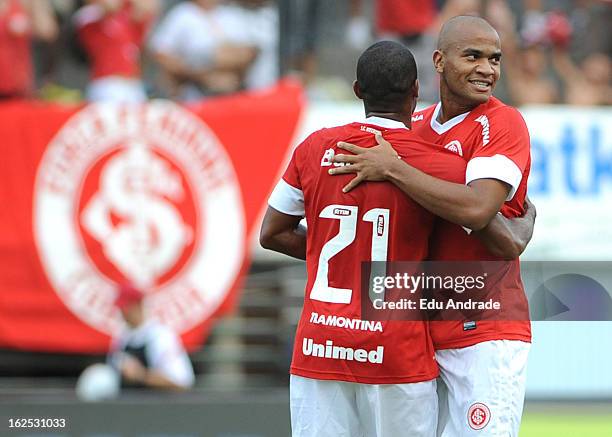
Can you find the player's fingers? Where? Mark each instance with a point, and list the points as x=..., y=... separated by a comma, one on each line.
x=351, y=148
x=345, y=169
x=344, y=158
x=381, y=141
x=352, y=184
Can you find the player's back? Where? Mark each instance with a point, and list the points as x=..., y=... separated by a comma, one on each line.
x=373, y=222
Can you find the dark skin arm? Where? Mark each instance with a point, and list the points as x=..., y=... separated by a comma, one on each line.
x=283, y=233
x=508, y=238
x=472, y=206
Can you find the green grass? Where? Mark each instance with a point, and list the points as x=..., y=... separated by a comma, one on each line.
x=566, y=425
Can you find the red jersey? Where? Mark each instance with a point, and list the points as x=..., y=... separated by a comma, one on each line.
x=112, y=41
x=16, y=77
x=373, y=222
x=494, y=140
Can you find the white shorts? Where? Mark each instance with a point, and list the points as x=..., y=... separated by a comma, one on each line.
x=321, y=408
x=481, y=389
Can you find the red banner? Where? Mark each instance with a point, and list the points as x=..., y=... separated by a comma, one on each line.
x=160, y=195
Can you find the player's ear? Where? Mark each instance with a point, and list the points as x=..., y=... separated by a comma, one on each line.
x=415, y=89
x=438, y=61
x=357, y=90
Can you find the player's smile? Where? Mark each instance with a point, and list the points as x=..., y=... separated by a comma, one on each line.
x=482, y=85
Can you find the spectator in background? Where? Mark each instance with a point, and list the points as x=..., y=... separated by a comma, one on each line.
x=406, y=20
x=200, y=48
x=112, y=34
x=62, y=11
x=525, y=62
x=259, y=25
x=20, y=21
x=527, y=81
x=147, y=353
x=411, y=22
x=300, y=24
x=587, y=83
x=584, y=84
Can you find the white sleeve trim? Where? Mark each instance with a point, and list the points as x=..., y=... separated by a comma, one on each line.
x=495, y=167
x=287, y=199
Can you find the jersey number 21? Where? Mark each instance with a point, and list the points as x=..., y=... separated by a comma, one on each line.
x=379, y=217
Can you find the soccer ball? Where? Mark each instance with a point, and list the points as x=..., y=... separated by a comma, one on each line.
x=98, y=382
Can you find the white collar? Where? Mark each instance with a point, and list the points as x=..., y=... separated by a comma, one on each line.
x=441, y=128
x=385, y=122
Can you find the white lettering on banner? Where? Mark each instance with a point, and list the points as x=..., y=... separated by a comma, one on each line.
x=345, y=322
x=333, y=352
x=484, y=121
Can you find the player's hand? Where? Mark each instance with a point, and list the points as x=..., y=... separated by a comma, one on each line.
x=370, y=164
x=530, y=208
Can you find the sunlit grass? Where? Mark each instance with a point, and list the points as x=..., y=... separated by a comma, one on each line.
x=566, y=425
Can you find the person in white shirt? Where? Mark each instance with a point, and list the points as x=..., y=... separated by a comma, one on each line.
x=147, y=353
x=259, y=24
x=201, y=50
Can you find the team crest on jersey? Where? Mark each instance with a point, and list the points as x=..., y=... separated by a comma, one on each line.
x=478, y=416
x=455, y=147
x=140, y=194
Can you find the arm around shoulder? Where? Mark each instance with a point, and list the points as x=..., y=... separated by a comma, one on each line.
x=507, y=238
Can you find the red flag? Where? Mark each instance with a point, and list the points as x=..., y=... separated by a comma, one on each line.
x=158, y=195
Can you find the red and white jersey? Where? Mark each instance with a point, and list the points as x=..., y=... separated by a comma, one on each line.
x=112, y=41
x=494, y=140
x=373, y=222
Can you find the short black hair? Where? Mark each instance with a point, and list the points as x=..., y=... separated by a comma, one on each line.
x=386, y=72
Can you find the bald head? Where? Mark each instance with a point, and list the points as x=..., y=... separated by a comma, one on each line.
x=464, y=27
x=468, y=60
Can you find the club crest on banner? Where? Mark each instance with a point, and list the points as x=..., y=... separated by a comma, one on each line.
x=142, y=194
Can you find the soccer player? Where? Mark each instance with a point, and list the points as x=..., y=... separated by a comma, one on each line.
x=349, y=376
x=482, y=363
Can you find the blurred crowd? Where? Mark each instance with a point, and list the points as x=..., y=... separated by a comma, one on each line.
x=556, y=51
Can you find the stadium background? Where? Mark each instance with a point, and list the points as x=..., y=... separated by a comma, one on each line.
x=241, y=369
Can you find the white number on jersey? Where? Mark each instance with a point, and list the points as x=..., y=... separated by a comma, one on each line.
x=347, y=215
